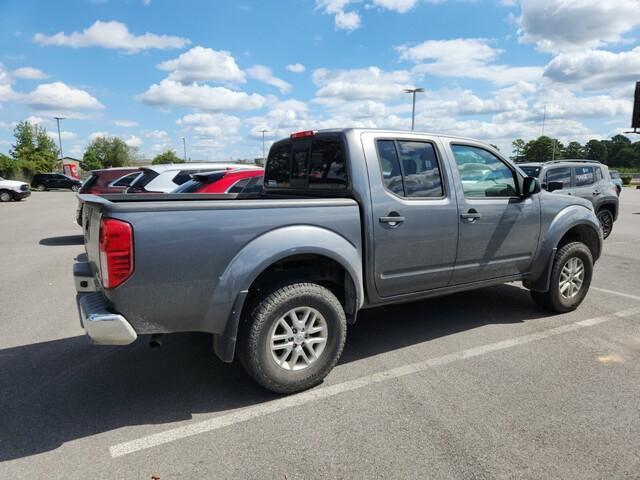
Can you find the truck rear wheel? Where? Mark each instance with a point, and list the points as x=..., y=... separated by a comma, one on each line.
x=570, y=279
x=293, y=337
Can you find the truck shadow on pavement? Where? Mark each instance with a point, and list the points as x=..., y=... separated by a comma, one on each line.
x=64, y=390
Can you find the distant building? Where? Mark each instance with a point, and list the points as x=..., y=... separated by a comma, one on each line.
x=69, y=166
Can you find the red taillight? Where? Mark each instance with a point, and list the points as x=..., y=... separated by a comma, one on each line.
x=116, y=252
x=306, y=133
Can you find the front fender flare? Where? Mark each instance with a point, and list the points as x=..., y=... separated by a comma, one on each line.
x=568, y=218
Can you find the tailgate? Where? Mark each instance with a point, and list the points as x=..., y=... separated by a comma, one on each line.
x=92, y=209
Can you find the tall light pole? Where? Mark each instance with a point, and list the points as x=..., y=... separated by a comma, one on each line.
x=184, y=149
x=413, y=110
x=59, y=136
x=263, y=132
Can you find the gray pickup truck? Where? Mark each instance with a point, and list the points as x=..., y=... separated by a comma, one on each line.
x=348, y=219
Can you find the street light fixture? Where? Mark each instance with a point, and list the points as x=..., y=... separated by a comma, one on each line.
x=59, y=136
x=263, y=132
x=413, y=91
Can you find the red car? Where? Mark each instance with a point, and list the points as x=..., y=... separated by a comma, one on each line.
x=109, y=180
x=224, y=181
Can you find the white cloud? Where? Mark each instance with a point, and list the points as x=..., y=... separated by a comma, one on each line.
x=29, y=73
x=210, y=124
x=35, y=120
x=114, y=35
x=156, y=134
x=561, y=25
x=595, y=69
x=65, y=135
x=347, y=20
x=170, y=93
x=95, y=135
x=360, y=84
x=203, y=64
x=296, y=68
x=58, y=95
x=264, y=74
x=6, y=92
x=133, y=141
x=125, y=123
x=400, y=6
x=465, y=57
x=343, y=20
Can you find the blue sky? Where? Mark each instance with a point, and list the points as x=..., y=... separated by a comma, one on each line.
x=218, y=72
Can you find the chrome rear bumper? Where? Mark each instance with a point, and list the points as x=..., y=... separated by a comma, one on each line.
x=101, y=326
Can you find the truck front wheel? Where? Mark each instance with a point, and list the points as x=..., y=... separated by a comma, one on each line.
x=570, y=279
x=293, y=336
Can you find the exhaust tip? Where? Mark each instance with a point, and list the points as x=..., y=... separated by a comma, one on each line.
x=156, y=340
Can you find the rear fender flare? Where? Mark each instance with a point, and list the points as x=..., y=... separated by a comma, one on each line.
x=258, y=255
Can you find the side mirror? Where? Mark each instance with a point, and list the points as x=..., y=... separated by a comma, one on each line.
x=551, y=186
x=530, y=186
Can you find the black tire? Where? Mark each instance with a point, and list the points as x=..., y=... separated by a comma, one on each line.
x=5, y=196
x=552, y=299
x=265, y=311
x=41, y=188
x=605, y=217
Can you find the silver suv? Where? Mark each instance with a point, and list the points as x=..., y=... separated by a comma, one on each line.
x=588, y=179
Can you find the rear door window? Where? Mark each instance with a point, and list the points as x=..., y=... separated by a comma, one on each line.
x=390, y=166
x=562, y=174
x=238, y=187
x=327, y=169
x=584, y=176
x=278, y=166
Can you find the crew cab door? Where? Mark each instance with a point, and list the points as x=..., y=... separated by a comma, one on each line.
x=499, y=229
x=414, y=212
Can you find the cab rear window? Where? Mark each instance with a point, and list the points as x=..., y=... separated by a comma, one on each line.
x=318, y=163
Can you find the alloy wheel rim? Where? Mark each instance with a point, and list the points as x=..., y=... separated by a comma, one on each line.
x=298, y=338
x=5, y=197
x=571, y=278
x=605, y=222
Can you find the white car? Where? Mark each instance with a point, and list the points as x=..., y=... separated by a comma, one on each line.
x=165, y=178
x=13, y=190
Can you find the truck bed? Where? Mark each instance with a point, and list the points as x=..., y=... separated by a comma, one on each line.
x=188, y=250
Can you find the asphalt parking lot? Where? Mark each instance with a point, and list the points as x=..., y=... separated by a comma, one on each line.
x=476, y=385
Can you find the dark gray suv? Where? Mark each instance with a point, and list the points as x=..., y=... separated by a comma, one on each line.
x=588, y=179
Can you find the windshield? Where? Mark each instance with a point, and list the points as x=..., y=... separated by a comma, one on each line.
x=531, y=171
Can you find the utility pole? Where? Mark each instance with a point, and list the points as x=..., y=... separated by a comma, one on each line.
x=413, y=91
x=59, y=136
x=184, y=149
x=263, y=132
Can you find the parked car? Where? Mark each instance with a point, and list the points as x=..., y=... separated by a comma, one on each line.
x=348, y=219
x=225, y=181
x=48, y=181
x=617, y=180
x=587, y=179
x=13, y=190
x=166, y=178
x=107, y=180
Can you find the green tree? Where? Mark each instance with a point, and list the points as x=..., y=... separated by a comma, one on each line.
x=90, y=161
x=597, y=150
x=107, y=152
x=168, y=156
x=33, y=150
x=574, y=150
x=542, y=149
x=8, y=166
x=518, y=146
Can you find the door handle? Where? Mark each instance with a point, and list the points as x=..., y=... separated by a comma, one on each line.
x=392, y=220
x=471, y=216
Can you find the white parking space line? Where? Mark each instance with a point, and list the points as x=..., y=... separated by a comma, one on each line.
x=280, y=404
x=613, y=292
